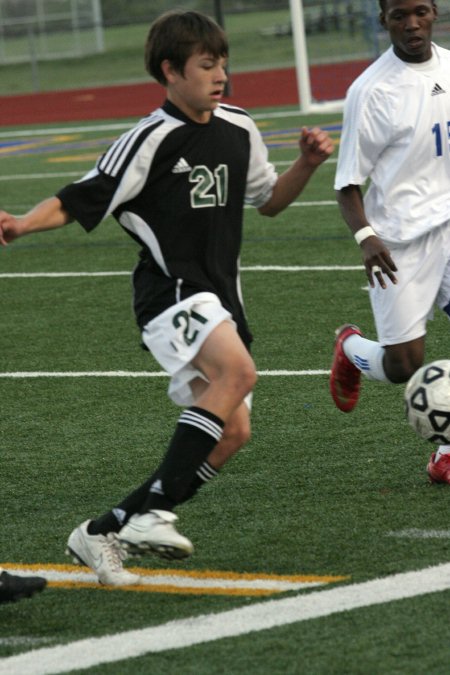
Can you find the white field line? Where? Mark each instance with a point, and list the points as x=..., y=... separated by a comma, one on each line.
x=124, y=373
x=250, y=268
x=51, y=131
x=78, y=174
x=60, y=275
x=24, y=640
x=120, y=126
x=302, y=268
x=325, y=202
x=182, y=633
x=41, y=176
x=130, y=373
x=415, y=533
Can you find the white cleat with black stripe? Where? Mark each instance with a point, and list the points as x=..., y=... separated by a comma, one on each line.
x=154, y=532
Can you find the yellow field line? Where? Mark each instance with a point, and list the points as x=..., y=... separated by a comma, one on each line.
x=180, y=581
x=166, y=588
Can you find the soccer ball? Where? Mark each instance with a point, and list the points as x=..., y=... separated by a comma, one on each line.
x=427, y=398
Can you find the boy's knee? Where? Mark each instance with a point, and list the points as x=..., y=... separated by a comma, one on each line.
x=240, y=436
x=251, y=380
x=247, y=377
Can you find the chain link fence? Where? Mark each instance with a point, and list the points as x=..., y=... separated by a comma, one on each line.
x=33, y=30
x=104, y=38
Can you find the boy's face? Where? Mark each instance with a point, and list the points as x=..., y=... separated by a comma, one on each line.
x=199, y=90
x=410, y=24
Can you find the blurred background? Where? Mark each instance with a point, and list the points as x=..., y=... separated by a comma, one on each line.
x=50, y=45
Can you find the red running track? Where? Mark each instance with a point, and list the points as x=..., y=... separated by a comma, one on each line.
x=248, y=90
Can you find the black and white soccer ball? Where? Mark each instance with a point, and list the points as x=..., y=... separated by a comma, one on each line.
x=427, y=398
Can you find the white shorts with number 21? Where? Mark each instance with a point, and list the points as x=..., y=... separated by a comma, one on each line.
x=175, y=336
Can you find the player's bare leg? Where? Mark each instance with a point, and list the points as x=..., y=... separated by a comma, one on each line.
x=236, y=434
x=231, y=375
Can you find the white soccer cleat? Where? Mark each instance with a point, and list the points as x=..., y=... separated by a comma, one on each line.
x=102, y=554
x=154, y=532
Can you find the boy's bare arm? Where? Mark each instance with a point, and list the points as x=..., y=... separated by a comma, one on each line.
x=48, y=215
x=315, y=147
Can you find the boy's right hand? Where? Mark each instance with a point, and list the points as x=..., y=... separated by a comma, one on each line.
x=9, y=228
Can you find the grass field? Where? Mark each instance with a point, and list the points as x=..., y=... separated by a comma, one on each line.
x=316, y=494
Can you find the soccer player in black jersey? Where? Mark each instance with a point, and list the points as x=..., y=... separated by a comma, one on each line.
x=177, y=183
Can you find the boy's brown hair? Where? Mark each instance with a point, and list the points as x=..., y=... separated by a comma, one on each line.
x=178, y=34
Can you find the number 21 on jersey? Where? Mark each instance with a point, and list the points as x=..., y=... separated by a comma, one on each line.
x=211, y=188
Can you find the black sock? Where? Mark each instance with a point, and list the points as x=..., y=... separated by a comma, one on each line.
x=197, y=432
x=114, y=520
x=204, y=473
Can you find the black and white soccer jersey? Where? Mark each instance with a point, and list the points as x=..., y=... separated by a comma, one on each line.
x=178, y=188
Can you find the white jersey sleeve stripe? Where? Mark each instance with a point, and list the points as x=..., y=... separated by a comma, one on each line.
x=122, y=151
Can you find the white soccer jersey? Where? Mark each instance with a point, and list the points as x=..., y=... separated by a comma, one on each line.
x=396, y=133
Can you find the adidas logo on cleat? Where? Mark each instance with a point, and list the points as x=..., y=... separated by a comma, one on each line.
x=437, y=89
x=181, y=166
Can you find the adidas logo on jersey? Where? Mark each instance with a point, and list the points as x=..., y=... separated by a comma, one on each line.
x=181, y=166
x=437, y=89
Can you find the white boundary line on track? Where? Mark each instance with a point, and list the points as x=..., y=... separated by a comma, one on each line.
x=205, y=628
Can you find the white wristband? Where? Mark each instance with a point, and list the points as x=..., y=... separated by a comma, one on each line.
x=364, y=233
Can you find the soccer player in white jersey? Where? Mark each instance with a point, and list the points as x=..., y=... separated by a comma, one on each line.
x=396, y=134
x=177, y=183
